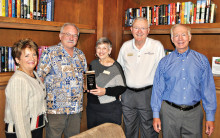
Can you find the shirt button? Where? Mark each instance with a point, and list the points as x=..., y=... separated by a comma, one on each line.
x=183, y=69
x=184, y=78
x=184, y=97
x=182, y=60
x=184, y=88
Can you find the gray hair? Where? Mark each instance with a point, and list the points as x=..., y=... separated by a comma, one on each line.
x=141, y=19
x=177, y=25
x=104, y=40
x=69, y=24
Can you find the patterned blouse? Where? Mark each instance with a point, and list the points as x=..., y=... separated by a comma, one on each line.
x=63, y=77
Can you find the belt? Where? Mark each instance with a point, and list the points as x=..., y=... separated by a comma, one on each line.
x=140, y=89
x=183, y=107
x=39, y=123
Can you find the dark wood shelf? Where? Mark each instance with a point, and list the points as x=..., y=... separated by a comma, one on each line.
x=206, y=28
x=29, y=24
x=5, y=76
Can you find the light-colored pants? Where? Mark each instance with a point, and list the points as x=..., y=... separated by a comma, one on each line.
x=57, y=124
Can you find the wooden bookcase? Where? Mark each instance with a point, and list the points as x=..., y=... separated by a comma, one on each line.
x=205, y=37
x=83, y=13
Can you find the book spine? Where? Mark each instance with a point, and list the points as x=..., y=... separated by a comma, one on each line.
x=31, y=9
x=9, y=8
x=0, y=7
x=174, y=13
x=198, y=11
x=22, y=9
x=49, y=10
x=213, y=11
x=18, y=8
x=52, y=10
x=182, y=12
x=3, y=59
x=202, y=17
x=3, y=8
x=13, y=9
x=208, y=2
x=6, y=59
x=178, y=13
x=9, y=59
x=6, y=8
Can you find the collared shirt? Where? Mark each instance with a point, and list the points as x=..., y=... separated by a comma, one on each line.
x=184, y=79
x=63, y=77
x=140, y=65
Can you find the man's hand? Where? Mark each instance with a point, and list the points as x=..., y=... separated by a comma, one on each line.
x=157, y=124
x=209, y=127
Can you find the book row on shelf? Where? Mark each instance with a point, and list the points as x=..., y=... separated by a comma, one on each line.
x=6, y=61
x=203, y=11
x=28, y=9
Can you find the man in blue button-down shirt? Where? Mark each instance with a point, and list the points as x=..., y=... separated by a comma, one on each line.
x=182, y=79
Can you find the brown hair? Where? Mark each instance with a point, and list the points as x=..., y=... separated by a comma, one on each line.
x=20, y=45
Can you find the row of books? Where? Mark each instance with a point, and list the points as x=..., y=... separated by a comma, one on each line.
x=28, y=9
x=6, y=61
x=203, y=11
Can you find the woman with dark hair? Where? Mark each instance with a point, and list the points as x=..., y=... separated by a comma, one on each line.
x=104, y=104
x=25, y=94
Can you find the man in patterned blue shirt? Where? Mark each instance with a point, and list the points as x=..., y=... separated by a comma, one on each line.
x=182, y=79
x=61, y=68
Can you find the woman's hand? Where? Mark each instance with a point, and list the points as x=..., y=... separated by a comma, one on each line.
x=99, y=91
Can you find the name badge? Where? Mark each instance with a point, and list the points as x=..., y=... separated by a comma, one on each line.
x=106, y=72
x=130, y=54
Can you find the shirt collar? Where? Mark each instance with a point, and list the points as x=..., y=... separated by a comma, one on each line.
x=134, y=46
x=185, y=54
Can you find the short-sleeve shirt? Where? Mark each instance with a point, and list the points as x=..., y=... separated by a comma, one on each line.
x=63, y=77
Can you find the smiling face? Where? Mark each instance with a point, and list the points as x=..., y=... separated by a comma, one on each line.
x=69, y=37
x=103, y=51
x=28, y=59
x=181, y=38
x=140, y=30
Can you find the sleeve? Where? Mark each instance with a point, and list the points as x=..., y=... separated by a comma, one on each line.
x=18, y=99
x=44, y=65
x=117, y=90
x=208, y=92
x=157, y=92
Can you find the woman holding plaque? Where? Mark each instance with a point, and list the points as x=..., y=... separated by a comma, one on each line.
x=104, y=103
x=25, y=94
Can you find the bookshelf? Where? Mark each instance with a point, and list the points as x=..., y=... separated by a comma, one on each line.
x=205, y=37
x=83, y=13
x=27, y=24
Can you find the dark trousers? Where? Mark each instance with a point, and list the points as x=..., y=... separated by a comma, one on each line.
x=138, y=114
x=181, y=124
x=98, y=114
x=37, y=133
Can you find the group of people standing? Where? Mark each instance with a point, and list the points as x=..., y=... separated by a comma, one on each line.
x=152, y=91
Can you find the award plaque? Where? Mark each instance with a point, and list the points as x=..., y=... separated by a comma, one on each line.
x=90, y=80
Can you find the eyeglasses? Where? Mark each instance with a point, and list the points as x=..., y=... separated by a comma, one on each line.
x=70, y=35
x=142, y=28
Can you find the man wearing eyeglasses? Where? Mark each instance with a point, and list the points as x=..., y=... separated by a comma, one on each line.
x=61, y=68
x=139, y=58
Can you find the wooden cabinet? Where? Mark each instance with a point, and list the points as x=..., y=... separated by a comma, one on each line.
x=83, y=13
x=205, y=37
